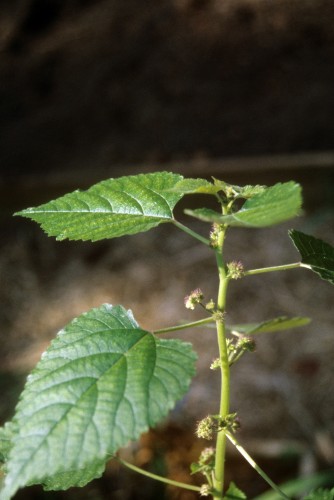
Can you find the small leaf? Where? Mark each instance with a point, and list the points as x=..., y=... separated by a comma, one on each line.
x=270, y=206
x=321, y=494
x=192, y=186
x=271, y=325
x=234, y=493
x=315, y=253
x=195, y=468
x=296, y=487
x=111, y=208
x=205, y=215
x=251, y=191
x=233, y=191
x=102, y=382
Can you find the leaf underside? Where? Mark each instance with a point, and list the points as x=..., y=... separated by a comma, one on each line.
x=102, y=382
x=271, y=325
x=270, y=206
x=321, y=494
x=111, y=208
x=316, y=253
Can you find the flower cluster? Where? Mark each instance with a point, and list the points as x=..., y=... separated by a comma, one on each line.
x=216, y=363
x=195, y=298
x=214, y=235
x=206, y=428
x=247, y=344
x=205, y=490
x=235, y=269
x=230, y=423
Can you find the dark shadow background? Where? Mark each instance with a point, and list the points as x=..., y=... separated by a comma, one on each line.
x=87, y=84
x=241, y=90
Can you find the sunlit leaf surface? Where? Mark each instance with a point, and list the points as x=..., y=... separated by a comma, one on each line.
x=102, y=382
x=111, y=208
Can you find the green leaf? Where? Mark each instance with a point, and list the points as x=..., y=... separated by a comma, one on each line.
x=102, y=382
x=315, y=253
x=205, y=215
x=298, y=486
x=111, y=208
x=234, y=493
x=7, y=433
x=251, y=191
x=270, y=206
x=233, y=191
x=79, y=478
x=192, y=186
x=271, y=325
x=321, y=494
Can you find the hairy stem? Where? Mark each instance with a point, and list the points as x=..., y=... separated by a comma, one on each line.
x=219, y=471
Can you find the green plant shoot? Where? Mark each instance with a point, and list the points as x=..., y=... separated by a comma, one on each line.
x=105, y=380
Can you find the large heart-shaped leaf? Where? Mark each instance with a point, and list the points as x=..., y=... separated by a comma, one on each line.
x=270, y=206
x=111, y=208
x=102, y=382
x=316, y=254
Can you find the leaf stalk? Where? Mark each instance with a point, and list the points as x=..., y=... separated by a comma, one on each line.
x=191, y=232
x=162, y=479
x=284, y=267
x=184, y=326
x=255, y=466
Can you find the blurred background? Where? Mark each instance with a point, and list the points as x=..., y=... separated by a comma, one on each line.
x=237, y=89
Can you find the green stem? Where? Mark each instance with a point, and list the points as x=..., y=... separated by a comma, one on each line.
x=219, y=471
x=255, y=465
x=158, y=478
x=184, y=326
x=191, y=233
x=284, y=267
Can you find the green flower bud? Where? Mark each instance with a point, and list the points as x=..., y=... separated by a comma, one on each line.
x=205, y=490
x=247, y=344
x=216, y=363
x=207, y=455
x=210, y=306
x=206, y=428
x=230, y=423
x=235, y=270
